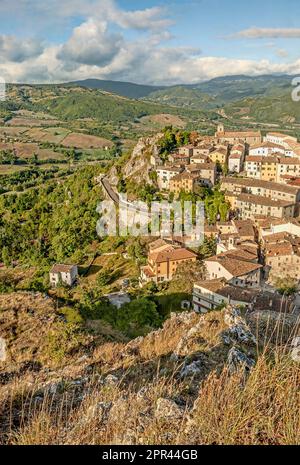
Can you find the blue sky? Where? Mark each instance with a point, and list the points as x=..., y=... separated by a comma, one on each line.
x=147, y=41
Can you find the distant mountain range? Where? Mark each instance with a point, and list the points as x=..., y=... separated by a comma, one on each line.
x=217, y=91
x=125, y=89
x=240, y=101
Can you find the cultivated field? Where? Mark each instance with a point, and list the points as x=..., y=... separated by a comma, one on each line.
x=164, y=119
x=30, y=122
x=85, y=141
x=53, y=135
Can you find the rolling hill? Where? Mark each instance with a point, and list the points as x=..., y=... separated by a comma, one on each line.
x=126, y=89
x=219, y=91
x=212, y=92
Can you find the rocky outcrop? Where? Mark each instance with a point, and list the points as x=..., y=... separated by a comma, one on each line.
x=274, y=326
x=168, y=409
x=127, y=387
x=237, y=359
x=138, y=166
x=238, y=331
x=139, y=162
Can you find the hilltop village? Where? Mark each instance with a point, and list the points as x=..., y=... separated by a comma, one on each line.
x=253, y=255
x=156, y=327
x=250, y=186
x=257, y=246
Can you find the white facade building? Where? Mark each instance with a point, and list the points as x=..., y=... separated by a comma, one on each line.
x=63, y=274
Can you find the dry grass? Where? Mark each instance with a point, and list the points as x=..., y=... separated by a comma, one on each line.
x=262, y=407
x=85, y=141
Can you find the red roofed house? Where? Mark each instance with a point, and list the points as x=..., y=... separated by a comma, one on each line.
x=238, y=267
x=163, y=261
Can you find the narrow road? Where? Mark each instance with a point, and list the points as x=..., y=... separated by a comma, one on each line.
x=109, y=190
x=115, y=197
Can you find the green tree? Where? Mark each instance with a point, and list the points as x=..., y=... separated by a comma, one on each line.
x=186, y=275
x=208, y=248
x=138, y=313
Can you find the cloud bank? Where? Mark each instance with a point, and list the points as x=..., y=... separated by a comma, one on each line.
x=112, y=43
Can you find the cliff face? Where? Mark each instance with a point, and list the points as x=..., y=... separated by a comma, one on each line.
x=137, y=167
x=202, y=372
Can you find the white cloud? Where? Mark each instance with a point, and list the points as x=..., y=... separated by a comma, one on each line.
x=91, y=44
x=16, y=50
x=282, y=53
x=99, y=48
x=55, y=11
x=267, y=33
x=141, y=62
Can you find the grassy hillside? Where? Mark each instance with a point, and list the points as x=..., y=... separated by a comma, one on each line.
x=243, y=99
x=99, y=112
x=94, y=104
x=281, y=109
x=126, y=89
x=230, y=88
x=173, y=386
x=185, y=97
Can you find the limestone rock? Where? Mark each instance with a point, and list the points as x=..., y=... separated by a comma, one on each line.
x=232, y=316
x=295, y=352
x=239, y=333
x=192, y=369
x=167, y=409
x=111, y=380
x=237, y=359
x=2, y=349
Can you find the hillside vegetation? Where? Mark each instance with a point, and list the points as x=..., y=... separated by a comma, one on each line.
x=183, y=384
x=243, y=99
x=126, y=89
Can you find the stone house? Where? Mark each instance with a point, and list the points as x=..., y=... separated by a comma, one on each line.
x=63, y=274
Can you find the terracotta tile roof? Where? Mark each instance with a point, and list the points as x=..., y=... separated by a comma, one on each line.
x=266, y=144
x=222, y=151
x=235, y=262
x=188, y=146
x=276, y=237
x=261, y=159
x=260, y=299
x=294, y=182
x=201, y=166
x=290, y=161
x=185, y=175
x=180, y=156
x=250, y=182
x=172, y=254
x=200, y=157
x=241, y=134
x=238, y=146
x=244, y=227
x=282, y=249
x=235, y=156
x=157, y=244
x=148, y=272
x=250, y=247
x=60, y=268
x=242, y=253
x=260, y=200
x=225, y=236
